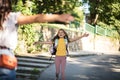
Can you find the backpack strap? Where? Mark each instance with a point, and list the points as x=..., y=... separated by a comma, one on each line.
x=54, y=45
x=56, y=42
x=66, y=42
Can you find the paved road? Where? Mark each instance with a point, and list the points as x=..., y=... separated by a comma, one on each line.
x=97, y=67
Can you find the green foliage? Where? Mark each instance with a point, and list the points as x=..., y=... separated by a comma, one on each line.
x=26, y=32
x=50, y=6
x=55, y=6
x=34, y=74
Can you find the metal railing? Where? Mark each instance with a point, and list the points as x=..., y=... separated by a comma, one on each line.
x=100, y=30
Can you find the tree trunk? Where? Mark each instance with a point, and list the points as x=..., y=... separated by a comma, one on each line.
x=96, y=17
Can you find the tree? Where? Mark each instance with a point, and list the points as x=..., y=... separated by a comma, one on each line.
x=106, y=13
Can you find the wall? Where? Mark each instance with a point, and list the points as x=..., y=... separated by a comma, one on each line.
x=91, y=43
x=100, y=43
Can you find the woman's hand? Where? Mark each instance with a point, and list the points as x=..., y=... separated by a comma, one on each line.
x=66, y=18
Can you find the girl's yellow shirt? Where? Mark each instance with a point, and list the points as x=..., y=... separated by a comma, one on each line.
x=61, y=47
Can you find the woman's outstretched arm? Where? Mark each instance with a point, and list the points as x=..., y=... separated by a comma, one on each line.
x=42, y=18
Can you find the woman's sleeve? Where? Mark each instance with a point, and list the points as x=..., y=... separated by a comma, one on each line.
x=16, y=16
x=13, y=17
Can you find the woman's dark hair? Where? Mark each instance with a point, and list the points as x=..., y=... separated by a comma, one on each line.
x=57, y=37
x=5, y=9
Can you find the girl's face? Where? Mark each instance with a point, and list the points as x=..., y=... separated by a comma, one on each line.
x=61, y=33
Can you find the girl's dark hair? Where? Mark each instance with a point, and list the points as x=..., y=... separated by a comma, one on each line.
x=57, y=37
x=5, y=9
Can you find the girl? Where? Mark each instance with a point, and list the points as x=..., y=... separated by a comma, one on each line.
x=9, y=22
x=61, y=51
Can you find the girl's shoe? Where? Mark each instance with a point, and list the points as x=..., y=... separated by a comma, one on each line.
x=57, y=77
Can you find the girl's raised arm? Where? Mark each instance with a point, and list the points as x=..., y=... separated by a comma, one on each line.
x=77, y=38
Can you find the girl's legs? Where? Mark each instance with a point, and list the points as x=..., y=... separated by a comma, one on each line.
x=7, y=74
x=60, y=63
x=63, y=65
x=57, y=65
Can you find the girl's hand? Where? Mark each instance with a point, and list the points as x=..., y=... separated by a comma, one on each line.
x=85, y=35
